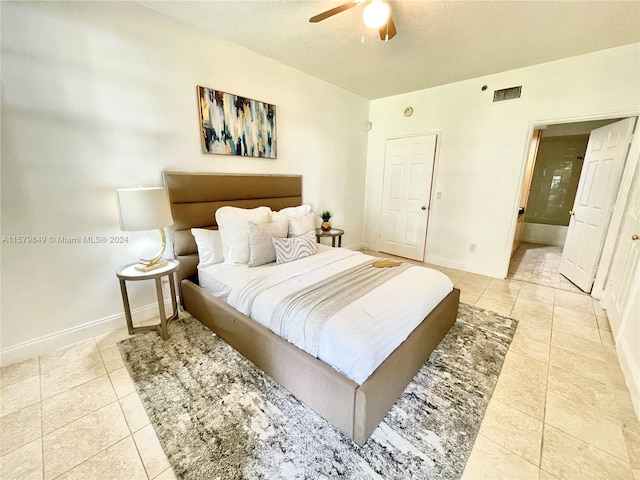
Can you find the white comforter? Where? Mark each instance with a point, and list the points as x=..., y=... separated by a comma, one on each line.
x=358, y=338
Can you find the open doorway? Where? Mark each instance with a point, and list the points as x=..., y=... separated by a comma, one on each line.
x=550, y=185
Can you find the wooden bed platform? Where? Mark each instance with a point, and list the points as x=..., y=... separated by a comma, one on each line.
x=354, y=409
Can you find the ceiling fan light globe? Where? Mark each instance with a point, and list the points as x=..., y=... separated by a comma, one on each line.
x=376, y=14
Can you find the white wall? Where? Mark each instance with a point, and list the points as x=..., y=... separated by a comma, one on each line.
x=580, y=128
x=98, y=96
x=483, y=145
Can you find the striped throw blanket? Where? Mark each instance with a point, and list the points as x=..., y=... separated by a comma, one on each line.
x=300, y=317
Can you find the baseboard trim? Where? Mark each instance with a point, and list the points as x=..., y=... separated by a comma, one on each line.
x=48, y=343
x=466, y=267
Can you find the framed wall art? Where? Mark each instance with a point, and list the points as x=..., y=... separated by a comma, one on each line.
x=234, y=125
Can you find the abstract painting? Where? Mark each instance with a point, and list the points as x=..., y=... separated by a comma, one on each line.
x=233, y=125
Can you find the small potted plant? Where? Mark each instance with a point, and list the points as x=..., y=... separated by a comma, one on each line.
x=326, y=226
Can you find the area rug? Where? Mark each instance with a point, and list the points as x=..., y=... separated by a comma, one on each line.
x=218, y=417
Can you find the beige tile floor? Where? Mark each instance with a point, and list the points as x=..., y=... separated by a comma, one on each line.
x=539, y=264
x=74, y=414
x=560, y=410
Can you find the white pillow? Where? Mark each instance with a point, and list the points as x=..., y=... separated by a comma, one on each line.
x=290, y=212
x=261, y=249
x=290, y=249
x=233, y=223
x=209, y=246
x=302, y=225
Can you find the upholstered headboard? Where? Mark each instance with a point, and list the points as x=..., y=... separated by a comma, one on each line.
x=195, y=197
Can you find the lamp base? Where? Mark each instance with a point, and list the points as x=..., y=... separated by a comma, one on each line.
x=148, y=265
x=144, y=267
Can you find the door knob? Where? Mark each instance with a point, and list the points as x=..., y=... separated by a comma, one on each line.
x=572, y=213
x=634, y=237
x=423, y=207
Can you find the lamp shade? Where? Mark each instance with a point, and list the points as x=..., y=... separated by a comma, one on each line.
x=144, y=208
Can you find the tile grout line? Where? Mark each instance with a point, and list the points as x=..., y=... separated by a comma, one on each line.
x=559, y=429
x=518, y=410
x=129, y=427
x=507, y=448
x=626, y=463
x=546, y=393
x=92, y=456
x=78, y=385
x=131, y=432
x=597, y=410
x=39, y=402
x=62, y=349
x=21, y=380
x=140, y=457
x=82, y=416
x=86, y=415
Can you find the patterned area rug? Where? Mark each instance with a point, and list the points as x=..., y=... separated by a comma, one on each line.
x=219, y=417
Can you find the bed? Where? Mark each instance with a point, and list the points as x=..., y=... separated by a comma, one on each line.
x=355, y=408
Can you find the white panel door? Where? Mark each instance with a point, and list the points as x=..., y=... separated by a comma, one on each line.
x=408, y=173
x=623, y=282
x=597, y=190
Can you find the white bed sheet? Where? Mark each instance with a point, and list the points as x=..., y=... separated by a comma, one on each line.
x=358, y=338
x=220, y=278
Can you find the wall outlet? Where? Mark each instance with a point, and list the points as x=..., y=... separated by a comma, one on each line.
x=472, y=247
x=438, y=195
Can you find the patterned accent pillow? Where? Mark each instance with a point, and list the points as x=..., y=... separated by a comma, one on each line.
x=261, y=248
x=294, y=248
x=301, y=225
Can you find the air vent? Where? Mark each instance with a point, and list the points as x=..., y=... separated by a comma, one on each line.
x=507, y=94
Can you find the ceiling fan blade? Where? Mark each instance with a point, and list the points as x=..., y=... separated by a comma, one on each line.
x=389, y=29
x=332, y=12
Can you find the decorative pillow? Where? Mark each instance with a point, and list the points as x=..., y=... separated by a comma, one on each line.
x=290, y=249
x=233, y=223
x=209, y=246
x=290, y=212
x=302, y=225
x=261, y=248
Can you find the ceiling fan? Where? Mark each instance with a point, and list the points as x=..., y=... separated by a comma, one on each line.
x=377, y=14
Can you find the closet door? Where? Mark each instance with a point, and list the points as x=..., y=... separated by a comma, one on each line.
x=408, y=174
x=623, y=282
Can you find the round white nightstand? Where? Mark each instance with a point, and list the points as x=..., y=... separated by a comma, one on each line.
x=129, y=273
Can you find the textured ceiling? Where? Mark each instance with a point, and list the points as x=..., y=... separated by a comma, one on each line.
x=437, y=43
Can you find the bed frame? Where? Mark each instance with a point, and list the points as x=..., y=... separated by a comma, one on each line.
x=354, y=409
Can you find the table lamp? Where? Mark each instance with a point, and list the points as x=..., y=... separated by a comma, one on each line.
x=145, y=209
